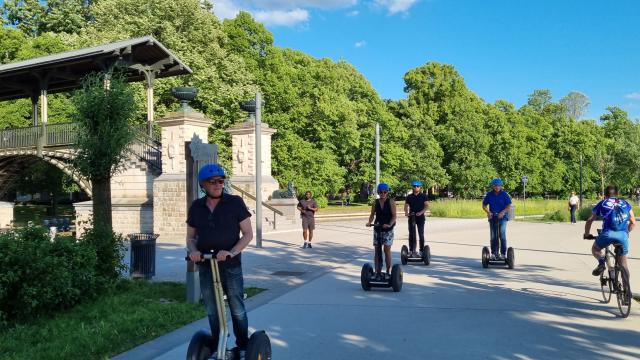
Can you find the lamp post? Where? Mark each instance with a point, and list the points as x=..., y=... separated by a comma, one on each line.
x=254, y=107
x=580, y=181
x=377, y=158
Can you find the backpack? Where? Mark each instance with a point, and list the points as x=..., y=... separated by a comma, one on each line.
x=618, y=216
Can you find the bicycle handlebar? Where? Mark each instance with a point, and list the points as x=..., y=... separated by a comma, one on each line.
x=207, y=257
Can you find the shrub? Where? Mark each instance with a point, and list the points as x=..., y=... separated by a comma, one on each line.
x=561, y=216
x=584, y=213
x=321, y=201
x=38, y=275
x=109, y=249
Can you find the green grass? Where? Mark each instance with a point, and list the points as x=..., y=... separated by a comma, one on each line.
x=473, y=208
x=36, y=213
x=134, y=313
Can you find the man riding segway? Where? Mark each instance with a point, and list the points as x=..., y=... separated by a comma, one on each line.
x=415, y=207
x=498, y=203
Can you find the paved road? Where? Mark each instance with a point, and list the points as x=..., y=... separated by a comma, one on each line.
x=548, y=307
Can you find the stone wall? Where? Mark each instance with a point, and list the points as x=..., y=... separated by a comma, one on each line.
x=128, y=216
x=6, y=214
x=170, y=208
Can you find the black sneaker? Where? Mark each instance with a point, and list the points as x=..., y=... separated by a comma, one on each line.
x=309, y=246
x=599, y=270
x=305, y=245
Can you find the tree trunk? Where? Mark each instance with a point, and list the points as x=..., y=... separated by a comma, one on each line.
x=101, y=190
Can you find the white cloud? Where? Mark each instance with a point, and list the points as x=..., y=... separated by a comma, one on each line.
x=288, y=4
x=225, y=9
x=353, y=13
x=282, y=17
x=633, y=96
x=360, y=44
x=396, y=6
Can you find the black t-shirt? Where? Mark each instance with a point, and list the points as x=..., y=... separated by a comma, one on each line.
x=218, y=229
x=416, y=202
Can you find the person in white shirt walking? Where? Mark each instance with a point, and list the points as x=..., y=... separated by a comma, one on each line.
x=574, y=200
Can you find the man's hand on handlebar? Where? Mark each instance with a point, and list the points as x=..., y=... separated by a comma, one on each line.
x=368, y=224
x=224, y=255
x=500, y=215
x=386, y=226
x=195, y=256
x=588, y=237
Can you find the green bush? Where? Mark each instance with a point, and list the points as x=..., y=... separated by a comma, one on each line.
x=584, y=213
x=321, y=201
x=39, y=275
x=558, y=215
x=109, y=249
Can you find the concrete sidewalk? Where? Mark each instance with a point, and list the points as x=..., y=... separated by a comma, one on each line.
x=548, y=307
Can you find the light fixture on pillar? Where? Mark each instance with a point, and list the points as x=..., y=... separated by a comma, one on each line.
x=184, y=94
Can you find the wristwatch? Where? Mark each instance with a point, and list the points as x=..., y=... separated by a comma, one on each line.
x=233, y=253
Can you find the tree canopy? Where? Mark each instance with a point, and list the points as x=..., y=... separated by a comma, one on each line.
x=325, y=111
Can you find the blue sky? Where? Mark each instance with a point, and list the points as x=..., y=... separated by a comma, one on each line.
x=503, y=48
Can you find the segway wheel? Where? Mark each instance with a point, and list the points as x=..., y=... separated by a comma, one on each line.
x=201, y=346
x=396, y=277
x=511, y=258
x=365, y=277
x=404, y=254
x=426, y=255
x=485, y=257
x=259, y=347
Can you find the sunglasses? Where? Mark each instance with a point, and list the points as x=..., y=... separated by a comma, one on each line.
x=215, y=182
x=416, y=186
x=383, y=192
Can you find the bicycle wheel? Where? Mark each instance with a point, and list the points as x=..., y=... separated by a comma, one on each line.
x=624, y=293
x=606, y=286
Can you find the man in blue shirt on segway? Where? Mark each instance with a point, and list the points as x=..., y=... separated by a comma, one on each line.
x=496, y=204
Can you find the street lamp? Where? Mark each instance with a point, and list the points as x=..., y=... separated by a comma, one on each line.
x=254, y=108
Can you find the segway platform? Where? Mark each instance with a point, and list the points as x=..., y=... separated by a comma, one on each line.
x=394, y=281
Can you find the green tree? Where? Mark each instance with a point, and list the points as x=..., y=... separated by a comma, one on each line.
x=104, y=114
x=576, y=104
x=539, y=99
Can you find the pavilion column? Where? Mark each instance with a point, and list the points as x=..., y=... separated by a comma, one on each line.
x=151, y=79
x=44, y=107
x=34, y=109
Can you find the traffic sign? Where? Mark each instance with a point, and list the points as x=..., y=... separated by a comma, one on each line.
x=525, y=179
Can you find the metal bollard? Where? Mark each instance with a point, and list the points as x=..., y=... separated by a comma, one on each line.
x=193, y=283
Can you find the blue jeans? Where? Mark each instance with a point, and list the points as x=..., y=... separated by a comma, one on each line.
x=233, y=286
x=498, y=228
x=573, y=213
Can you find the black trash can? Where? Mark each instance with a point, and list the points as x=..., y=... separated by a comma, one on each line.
x=142, y=263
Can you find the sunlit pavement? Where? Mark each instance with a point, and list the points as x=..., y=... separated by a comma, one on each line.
x=549, y=306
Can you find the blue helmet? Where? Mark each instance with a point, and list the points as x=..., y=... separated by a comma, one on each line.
x=210, y=170
x=383, y=187
x=497, y=182
x=416, y=183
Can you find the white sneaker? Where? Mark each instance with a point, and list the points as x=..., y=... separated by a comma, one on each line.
x=494, y=257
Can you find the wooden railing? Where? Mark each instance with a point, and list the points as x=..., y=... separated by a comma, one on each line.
x=146, y=148
x=244, y=193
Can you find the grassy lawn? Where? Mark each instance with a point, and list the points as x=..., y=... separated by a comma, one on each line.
x=134, y=313
x=36, y=213
x=473, y=208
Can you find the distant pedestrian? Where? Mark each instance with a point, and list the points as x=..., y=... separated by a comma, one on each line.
x=307, y=207
x=574, y=200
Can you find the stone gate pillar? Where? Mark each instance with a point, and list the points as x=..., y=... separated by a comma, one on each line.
x=170, y=189
x=244, y=160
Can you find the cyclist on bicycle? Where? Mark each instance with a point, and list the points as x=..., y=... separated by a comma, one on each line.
x=617, y=221
x=417, y=204
x=498, y=203
x=384, y=210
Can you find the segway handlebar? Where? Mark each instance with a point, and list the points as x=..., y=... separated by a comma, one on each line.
x=591, y=237
x=207, y=256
